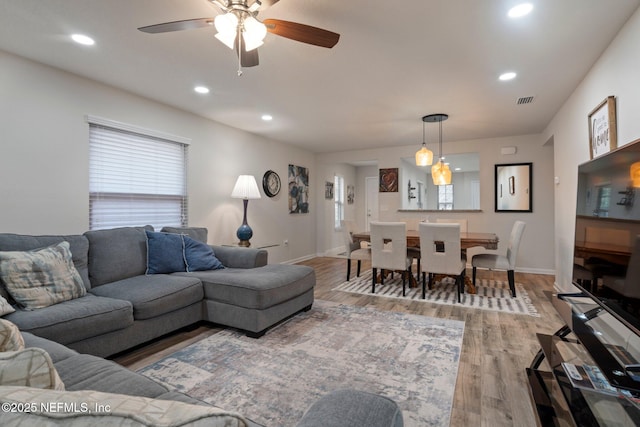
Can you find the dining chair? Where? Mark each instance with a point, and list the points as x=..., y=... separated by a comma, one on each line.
x=502, y=262
x=441, y=254
x=414, y=253
x=607, y=236
x=462, y=222
x=389, y=251
x=627, y=285
x=353, y=249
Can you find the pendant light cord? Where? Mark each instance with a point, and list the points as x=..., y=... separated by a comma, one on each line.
x=440, y=136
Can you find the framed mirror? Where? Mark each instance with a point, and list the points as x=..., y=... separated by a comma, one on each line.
x=422, y=194
x=513, y=187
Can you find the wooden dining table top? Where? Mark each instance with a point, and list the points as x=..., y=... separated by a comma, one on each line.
x=468, y=239
x=618, y=254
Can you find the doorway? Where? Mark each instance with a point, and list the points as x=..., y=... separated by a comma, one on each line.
x=371, y=200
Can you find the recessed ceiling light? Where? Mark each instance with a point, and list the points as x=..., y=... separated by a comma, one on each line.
x=507, y=76
x=201, y=89
x=267, y=117
x=520, y=10
x=457, y=169
x=82, y=39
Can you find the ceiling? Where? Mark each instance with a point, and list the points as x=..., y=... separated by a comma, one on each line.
x=395, y=62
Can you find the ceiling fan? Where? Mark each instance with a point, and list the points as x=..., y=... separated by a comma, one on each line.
x=239, y=29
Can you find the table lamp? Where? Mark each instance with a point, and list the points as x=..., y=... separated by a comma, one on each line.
x=246, y=188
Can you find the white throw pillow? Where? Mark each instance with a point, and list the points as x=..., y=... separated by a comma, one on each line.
x=5, y=307
x=10, y=337
x=42, y=277
x=31, y=367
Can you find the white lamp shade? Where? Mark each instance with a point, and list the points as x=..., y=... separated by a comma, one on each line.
x=253, y=34
x=227, y=26
x=227, y=39
x=227, y=23
x=246, y=188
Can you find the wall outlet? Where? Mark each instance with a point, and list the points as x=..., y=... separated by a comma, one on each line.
x=285, y=242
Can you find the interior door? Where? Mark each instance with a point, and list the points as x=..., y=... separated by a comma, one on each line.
x=371, y=200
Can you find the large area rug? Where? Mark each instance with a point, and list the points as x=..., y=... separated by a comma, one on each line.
x=491, y=294
x=272, y=380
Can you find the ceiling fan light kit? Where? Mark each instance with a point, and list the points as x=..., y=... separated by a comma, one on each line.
x=229, y=25
x=239, y=21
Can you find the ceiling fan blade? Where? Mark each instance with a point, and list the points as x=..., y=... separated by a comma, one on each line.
x=267, y=3
x=247, y=59
x=302, y=33
x=188, y=24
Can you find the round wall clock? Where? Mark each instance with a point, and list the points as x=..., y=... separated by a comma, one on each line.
x=271, y=183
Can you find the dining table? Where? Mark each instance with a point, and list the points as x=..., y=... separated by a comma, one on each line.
x=468, y=239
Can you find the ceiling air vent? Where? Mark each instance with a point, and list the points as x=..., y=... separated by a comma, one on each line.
x=525, y=100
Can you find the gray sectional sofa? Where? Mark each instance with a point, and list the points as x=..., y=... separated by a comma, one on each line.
x=125, y=307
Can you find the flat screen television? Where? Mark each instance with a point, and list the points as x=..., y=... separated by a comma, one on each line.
x=608, y=230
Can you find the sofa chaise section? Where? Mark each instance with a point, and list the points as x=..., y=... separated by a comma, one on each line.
x=248, y=293
x=256, y=299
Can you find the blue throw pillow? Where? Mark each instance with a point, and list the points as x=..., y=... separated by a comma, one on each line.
x=199, y=256
x=165, y=253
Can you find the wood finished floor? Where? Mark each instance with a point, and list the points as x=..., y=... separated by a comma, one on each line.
x=491, y=390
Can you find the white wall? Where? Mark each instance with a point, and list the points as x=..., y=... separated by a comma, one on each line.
x=327, y=234
x=530, y=148
x=44, y=160
x=615, y=73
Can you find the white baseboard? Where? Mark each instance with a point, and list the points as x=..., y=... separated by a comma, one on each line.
x=296, y=260
x=544, y=271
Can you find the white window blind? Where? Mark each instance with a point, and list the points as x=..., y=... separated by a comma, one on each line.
x=135, y=179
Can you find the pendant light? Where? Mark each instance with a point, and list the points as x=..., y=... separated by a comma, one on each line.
x=440, y=172
x=635, y=174
x=424, y=156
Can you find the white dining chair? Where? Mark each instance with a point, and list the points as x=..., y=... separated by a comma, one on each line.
x=353, y=249
x=441, y=254
x=463, y=223
x=502, y=262
x=414, y=253
x=389, y=251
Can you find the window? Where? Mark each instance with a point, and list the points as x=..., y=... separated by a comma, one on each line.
x=135, y=177
x=604, y=198
x=338, y=197
x=445, y=197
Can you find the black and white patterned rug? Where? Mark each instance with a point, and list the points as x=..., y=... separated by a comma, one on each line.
x=491, y=294
x=409, y=358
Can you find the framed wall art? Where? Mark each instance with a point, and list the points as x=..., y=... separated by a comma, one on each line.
x=603, y=136
x=513, y=187
x=298, y=181
x=328, y=190
x=388, y=180
x=351, y=194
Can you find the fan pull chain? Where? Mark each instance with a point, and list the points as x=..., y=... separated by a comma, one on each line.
x=239, y=51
